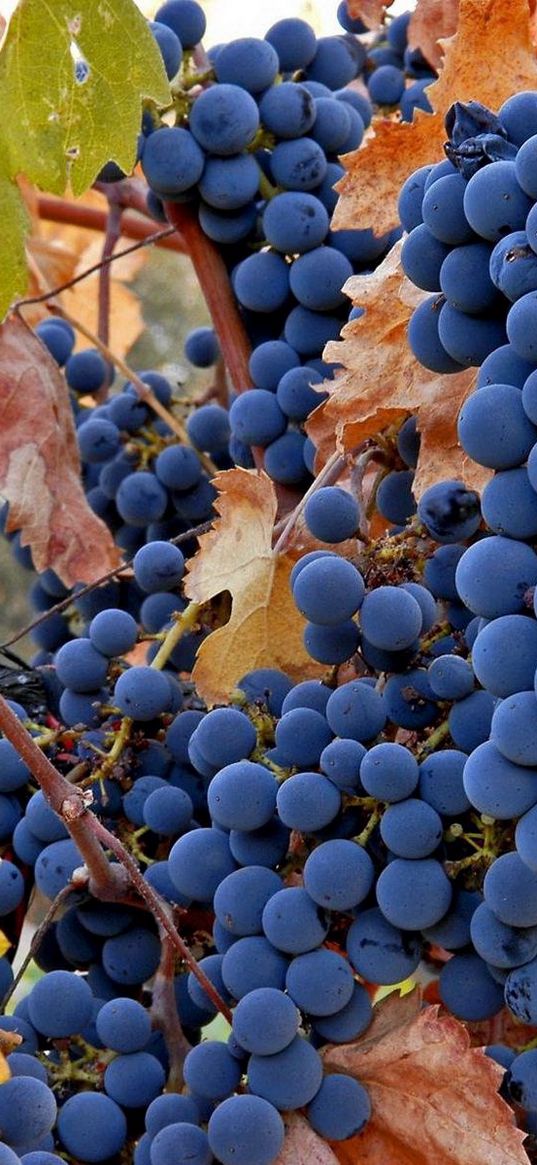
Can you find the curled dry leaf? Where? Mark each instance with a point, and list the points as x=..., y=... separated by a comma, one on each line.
x=383, y=383
x=302, y=1146
x=265, y=628
x=489, y=58
x=434, y=1098
x=370, y=11
x=39, y=464
x=432, y=21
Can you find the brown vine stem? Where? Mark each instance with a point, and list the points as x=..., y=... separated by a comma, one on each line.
x=93, y=218
x=216, y=287
x=164, y=1013
x=194, y=532
x=108, y=881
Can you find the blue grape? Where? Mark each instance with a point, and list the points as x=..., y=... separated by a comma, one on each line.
x=134, y=801
x=58, y=339
x=132, y=957
x=518, y=116
x=355, y=710
x=340, y=761
x=242, y=796
x=394, y=498
x=170, y=46
x=289, y=1079
x=202, y=349
x=293, y=923
x=424, y=338
x=337, y=61
x=386, y=85
x=413, y=894
x=328, y=590
x=142, y=692
x=451, y=677
x=389, y=772
x=296, y=395
x=441, y=782
x=227, y=227
x=503, y=946
x=256, y=417
x=493, y=427
x=468, y=990
x=27, y=1110
x=208, y=428
x=11, y=887
x=338, y=875
x=265, y=1021
x=168, y=811
x=308, y=801
x=268, y=686
x=411, y=197
x=301, y=736
x=170, y=1108
x=284, y=458
x=241, y=897
x=348, y=1023
x=159, y=566
x=469, y=720
x=80, y=667
x=229, y=183
x=178, y=467
x=287, y=110
x=253, y=962
x=299, y=164
x=261, y=282
x=316, y=279
x=411, y=828
x=522, y=1078
x=293, y=223
x=86, y=371
x=113, y=632
x=223, y=119
x=199, y=861
x=331, y=514
x=453, y=930
x=141, y=498
x=390, y=618
x=509, y=504
x=172, y=161
x=521, y=992
x=246, y=1130
x=494, y=203
x=469, y=339
x=444, y=213
x=380, y=952
x=271, y=360
x=92, y=1126
x=184, y=1138
x=340, y=1109
x=513, y=728
x=134, y=1080
x=55, y=865
x=320, y=982
x=248, y=62
x=510, y=890
x=186, y=18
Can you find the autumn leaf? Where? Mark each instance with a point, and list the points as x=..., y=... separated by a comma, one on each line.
x=434, y=1098
x=432, y=21
x=503, y=1028
x=265, y=628
x=382, y=382
x=370, y=11
x=489, y=58
x=302, y=1146
x=39, y=464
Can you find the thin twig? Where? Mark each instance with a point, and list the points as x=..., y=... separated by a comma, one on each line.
x=37, y=939
x=194, y=532
x=330, y=472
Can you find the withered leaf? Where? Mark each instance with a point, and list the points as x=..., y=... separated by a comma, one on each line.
x=382, y=382
x=302, y=1146
x=265, y=628
x=39, y=464
x=432, y=21
x=489, y=58
x=434, y=1098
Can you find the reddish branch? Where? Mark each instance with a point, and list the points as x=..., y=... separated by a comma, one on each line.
x=133, y=226
x=111, y=237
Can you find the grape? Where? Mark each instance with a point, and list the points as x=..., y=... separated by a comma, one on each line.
x=87, y=371
x=468, y=990
x=92, y=1126
x=411, y=828
x=289, y=1079
x=494, y=429
x=134, y=801
x=227, y=227
x=199, y=861
x=13, y=772
x=424, y=339
x=512, y=729
x=284, y=458
x=510, y=890
x=242, y=796
x=287, y=110
x=11, y=887
x=299, y=164
x=264, y=847
x=261, y=282
x=113, y=632
x=170, y=47
x=168, y=811
x=57, y=339
x=180, y=1137
x=316, y=279
x=253, y=962
x=179, y=733
x=337, y=61
x=295, y=394
x=132, y=957
x=172, y=161
x=331, y=514
x=265, y=1021
x=413, y=894
x=494, y=203
x=341, y=1107
x=293, y=223
x=389, y=772
x=256, y=417
x=159, y=566
x=27, y=1110
x=80, y=667
x=451, y=677
x=140, y=499
x=453, y=930
x=441, y=782
x=124, y=1025
x=494, y=574
x=348, y=1023
x=338, y=874
x=503, y=946
x=328, y=590
x=208, y=428
x=320, y=982
x=267, y=686
x=134, y=1080
x=340, y=761
x=356, y=711
x=142, y=692
x=411, y=198
x=246, y=1130
x=308, y=801
x=522, y=1080
x=469, y=720
x=509, y=504
x=223, y=119
x=443, y=210
x=170, y=1108
x=241, y=897
x=517, y=116
x=293, y=923
x=301, y=736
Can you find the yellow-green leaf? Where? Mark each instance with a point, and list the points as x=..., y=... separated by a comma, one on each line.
x=60, y=130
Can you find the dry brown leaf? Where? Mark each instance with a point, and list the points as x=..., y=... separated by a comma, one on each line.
x=302, y=1146
x=265, y=628
x=489, y=58
x=39, y=464
x=383, y=382
x=434, y=1098
x=431, y=21
x=503, y=1028
x=370, y=11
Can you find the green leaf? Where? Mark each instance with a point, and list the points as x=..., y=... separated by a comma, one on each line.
x=59, y=130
